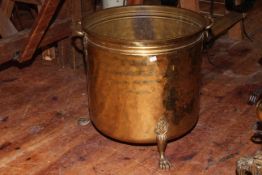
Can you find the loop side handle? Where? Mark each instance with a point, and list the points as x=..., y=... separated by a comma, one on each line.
x=81, y=34
x=211, y=22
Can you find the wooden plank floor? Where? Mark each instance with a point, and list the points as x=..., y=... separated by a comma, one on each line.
x=40, y=105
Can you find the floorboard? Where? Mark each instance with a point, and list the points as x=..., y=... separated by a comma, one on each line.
x=40, y=106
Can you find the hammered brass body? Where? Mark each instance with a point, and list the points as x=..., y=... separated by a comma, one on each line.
x=129, y=94
x=144, y=65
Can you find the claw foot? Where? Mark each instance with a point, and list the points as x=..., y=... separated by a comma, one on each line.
x=164, y=164
x=161, y=138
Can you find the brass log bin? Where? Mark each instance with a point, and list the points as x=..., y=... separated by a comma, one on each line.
x=144, y=72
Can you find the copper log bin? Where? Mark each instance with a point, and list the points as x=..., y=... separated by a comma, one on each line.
x=144, y=74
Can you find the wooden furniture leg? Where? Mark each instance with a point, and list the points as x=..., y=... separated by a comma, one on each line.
x=6, y=27
x=236, y=31
x=43, y=19
x=48, y=53
x=7, y=7
x=135, y=2
x=190, y=4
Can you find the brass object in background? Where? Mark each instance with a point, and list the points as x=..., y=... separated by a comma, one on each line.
x=256, y=99
x=250, y=165
x=253, y=165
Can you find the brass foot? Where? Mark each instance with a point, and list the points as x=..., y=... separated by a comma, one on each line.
x=161, y=138
x=164, y=163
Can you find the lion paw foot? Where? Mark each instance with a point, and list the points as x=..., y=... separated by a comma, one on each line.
x=164, y=164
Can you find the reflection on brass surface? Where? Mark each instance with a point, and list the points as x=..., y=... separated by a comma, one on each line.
x=250, y=165
x=161, y=138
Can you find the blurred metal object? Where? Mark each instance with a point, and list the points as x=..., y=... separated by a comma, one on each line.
x=253, y=165
x=255, y=96
x=250, y=165
x=83, y=121
x=256, y=99
x=257, y=136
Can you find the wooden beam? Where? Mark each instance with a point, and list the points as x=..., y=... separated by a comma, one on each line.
x=40, y=26
x=226, y=22
x=9, y=46
x=7, y=7
x=37, y=2
x=190, y=4
x=236, y=31
x=6, y=28
x=135, y=2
